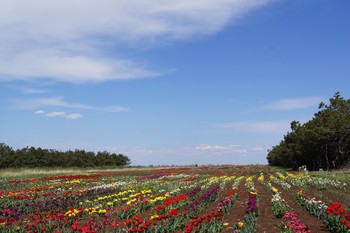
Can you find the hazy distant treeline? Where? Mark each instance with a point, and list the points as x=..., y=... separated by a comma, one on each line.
x=38, y=157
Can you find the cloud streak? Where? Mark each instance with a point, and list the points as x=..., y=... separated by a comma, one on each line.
x=70, y=116
x=29, y=90
x=68, y=41
x=33, y=65
x=257, y=126
x=292, y=104
x=220, y=149
x=60, y=102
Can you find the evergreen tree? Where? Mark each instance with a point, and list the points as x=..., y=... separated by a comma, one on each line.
x=323, y=142
x=38, y=157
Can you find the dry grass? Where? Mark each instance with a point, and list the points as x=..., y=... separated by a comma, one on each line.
x=39, y=172
x=33, y=172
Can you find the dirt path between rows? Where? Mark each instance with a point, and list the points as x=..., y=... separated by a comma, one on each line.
x=238, y=210
x=267, y=222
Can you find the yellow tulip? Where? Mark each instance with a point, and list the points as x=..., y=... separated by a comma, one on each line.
x=240, y=224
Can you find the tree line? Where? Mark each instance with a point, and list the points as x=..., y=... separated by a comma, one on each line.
x=37, y=157
x=321, y=143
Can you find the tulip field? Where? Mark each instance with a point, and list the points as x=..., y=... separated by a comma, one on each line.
x=176, y=199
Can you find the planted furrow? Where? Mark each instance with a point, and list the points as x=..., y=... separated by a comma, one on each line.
x=239, y=199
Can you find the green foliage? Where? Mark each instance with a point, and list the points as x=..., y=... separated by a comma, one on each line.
x=321, y=143
x=279, y=206
x=31, y=157
x=340, y=175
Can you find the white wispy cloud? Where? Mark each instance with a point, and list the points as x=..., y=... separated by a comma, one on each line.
x=59, y=101
x=113, y=109
x=220, y=149
x=258, y=126
x=40, y=102
x=30, y=90
x=67, y=67
x=39, y=112
x=56, y=114
x=259, y=149
x=71, y=116
x=296, y=103
x=67, y=40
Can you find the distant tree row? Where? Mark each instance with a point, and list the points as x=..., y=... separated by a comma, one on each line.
x=321, y=143
x=38, y=157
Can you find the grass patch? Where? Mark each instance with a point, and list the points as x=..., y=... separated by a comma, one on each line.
x=341, y=175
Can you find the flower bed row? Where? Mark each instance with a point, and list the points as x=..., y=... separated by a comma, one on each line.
x=188, y=201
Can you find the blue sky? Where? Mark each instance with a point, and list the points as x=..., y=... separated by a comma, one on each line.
x=168, y=82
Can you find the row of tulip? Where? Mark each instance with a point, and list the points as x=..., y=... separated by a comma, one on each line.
x=120, y=204
x=335, y=216
x=160, y=202
x=290, y=222
x=248, y=222
x=336, y=221
x=303, y=179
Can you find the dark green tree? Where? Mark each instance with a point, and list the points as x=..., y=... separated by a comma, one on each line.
x=323, y=142
x=38, y=157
